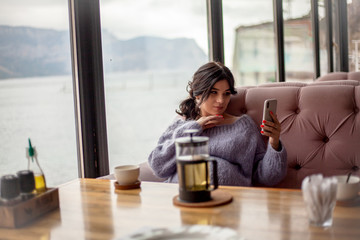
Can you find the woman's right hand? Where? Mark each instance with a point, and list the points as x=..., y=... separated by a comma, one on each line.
x=210, y=121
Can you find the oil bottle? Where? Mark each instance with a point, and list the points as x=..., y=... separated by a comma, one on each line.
x=33, y=165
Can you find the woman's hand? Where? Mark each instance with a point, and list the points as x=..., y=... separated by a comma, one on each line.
x=210, y=121
x=272, y=130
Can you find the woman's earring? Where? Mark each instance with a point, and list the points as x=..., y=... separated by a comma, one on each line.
x=197, y=101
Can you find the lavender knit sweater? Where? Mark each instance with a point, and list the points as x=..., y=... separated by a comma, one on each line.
x=239, y=149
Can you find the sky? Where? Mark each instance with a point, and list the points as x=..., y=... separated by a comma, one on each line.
x=164, y=18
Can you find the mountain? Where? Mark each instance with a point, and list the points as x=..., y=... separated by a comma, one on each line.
x=28, y=52
x=153, y=53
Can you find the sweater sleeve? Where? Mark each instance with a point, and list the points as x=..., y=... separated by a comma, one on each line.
x=270, y=165
x=162, y=158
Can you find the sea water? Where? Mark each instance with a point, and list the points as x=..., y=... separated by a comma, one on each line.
x=139, y=107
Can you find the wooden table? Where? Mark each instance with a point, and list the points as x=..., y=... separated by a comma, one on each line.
x=93, y=209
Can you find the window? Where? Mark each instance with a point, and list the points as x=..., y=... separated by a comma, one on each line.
x=249, y=41
x=354, y=34
x=299, y=61
x=151, y=48
x=36, y=97
x=323, y=39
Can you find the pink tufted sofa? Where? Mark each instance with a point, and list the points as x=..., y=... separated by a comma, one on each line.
x=320, y=125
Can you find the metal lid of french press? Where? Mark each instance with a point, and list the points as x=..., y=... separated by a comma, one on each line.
x=192, y=141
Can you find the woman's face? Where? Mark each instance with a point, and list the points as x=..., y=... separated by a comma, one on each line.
x=217, y=101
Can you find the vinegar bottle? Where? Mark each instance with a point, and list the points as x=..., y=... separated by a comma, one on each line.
x=33, y=165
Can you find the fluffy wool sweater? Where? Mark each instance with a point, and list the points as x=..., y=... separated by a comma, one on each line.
x=242, y=156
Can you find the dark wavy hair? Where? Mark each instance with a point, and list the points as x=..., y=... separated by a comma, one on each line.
x=203, y=81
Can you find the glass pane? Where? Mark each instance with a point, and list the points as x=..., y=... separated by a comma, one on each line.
x=323, y=38
x=335, y=36
x=36, y=97
x=249, y=41
x=299, y=62
x=151, y=48
x=354, y=34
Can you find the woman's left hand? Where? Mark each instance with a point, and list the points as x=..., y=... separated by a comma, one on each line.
x=272, y=130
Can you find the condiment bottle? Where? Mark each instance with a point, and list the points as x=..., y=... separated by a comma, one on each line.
x=33, y=165
x=10, y=190
x=27, y=184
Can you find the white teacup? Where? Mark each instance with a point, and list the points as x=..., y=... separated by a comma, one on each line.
x=347, y=190
x=127, y=174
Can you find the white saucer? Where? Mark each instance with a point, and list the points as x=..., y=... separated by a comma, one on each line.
x=194, y=232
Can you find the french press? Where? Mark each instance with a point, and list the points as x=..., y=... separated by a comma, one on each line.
x=193, y=167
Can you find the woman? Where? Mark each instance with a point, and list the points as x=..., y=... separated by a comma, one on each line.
x=235, y=142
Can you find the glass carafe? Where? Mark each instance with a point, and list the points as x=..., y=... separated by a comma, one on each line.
x=193, y=166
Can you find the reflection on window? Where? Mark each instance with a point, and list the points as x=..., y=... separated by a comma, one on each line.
x=36, y=98
x=323, y=39
x=249, y=41
x=354, y=34
x=298, y=41
x=151, y=48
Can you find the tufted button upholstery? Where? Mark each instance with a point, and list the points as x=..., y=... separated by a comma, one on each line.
x=326, y=116
x=297, y=167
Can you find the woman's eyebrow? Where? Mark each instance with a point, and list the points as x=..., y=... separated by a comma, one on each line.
x=219, y=90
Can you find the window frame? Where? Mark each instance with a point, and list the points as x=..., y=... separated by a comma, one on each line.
x=88, y=80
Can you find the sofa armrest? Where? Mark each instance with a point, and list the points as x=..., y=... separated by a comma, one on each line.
x=146, y=173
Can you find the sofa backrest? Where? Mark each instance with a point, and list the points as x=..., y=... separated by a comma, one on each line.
x=339, y=76
x=320, y=125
